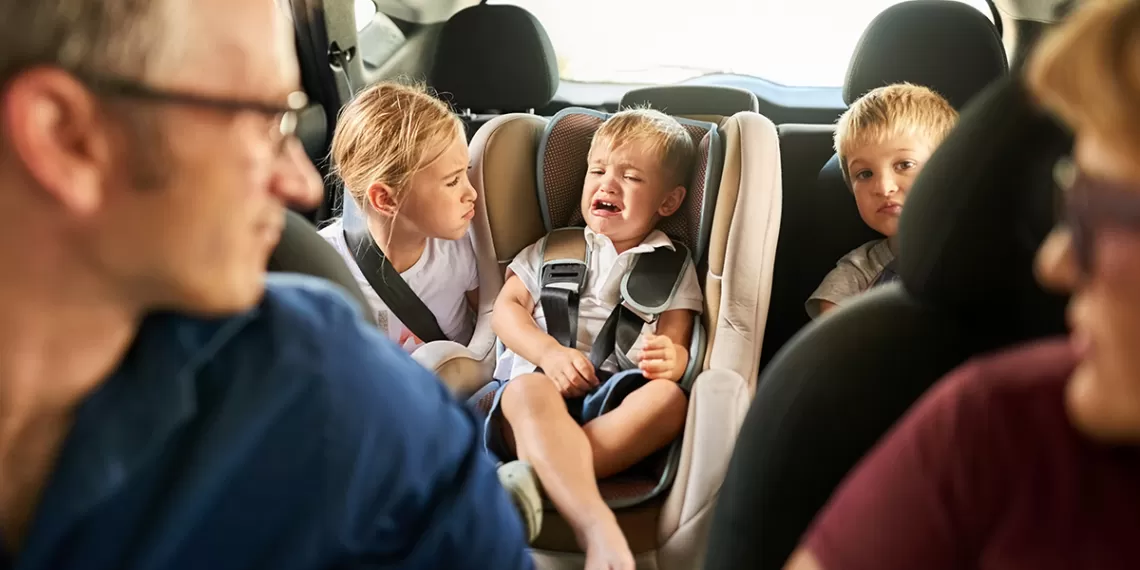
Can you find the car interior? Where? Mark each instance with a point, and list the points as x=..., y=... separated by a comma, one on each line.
x=768, y=214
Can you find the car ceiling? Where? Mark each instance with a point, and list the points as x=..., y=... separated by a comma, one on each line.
x=432, y=11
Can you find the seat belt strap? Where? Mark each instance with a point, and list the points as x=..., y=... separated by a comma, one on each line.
x=562, y=279
x=616, y=337
x=646, y=292
x=392, y=289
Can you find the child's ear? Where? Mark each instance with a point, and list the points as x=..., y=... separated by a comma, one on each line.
x=382, y=198
x=672, y=203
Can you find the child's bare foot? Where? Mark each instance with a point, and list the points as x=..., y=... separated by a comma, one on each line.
x=606, y=548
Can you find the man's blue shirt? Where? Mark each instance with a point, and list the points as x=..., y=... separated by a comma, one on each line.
x=291, y=437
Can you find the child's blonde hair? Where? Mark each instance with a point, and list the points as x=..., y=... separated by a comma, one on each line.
x=1088, y=71
x=894, y=110
x=388, y=133
x=662, y=134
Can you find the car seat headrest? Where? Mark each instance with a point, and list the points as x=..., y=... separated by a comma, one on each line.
x=693, y=99
x=313, y=131
x=495, y=57
x=980, y=208
x=562, y=163
x=949, y=47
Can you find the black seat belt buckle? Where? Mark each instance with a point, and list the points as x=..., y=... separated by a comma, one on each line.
x=649, y=318
x=569, y=276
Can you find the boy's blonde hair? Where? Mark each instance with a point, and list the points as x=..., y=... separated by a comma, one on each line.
x=894, y=110
x=662, y=134
x=388, y=133
x=1088, y=71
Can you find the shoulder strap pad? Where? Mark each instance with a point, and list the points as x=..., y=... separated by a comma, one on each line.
x=562, y=277
x=650, y=284
x=563, y=251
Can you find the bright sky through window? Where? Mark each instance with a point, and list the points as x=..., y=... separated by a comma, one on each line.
x=791, y=42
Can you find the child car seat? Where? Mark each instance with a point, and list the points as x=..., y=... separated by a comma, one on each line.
x=528, y=172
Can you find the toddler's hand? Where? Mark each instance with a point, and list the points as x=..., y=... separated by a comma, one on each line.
x=661, y=359
x=570, y=370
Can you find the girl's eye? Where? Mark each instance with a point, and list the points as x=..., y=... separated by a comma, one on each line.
x=632, y=178
x=597, y=171
x=453, y=182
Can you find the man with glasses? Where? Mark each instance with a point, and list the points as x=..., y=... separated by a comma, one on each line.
x=163, y=405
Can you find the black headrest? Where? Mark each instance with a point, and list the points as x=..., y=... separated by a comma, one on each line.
x=495, y=57
x=949, y=47
x=693, y=99
x=981, y=207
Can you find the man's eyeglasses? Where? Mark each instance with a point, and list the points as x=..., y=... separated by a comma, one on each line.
x=283, y=118
x=1093, y=204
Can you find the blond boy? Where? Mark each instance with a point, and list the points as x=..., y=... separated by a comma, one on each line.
x=883, y=141
x=639, y=165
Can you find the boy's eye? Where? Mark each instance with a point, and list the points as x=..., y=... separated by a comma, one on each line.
x=596, y=171
x=453, y=182
x=632, y=178
x=863, y=175
x=907, y=165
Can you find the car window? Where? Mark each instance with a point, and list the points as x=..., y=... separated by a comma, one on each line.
x=797, y=43
x=365, y=11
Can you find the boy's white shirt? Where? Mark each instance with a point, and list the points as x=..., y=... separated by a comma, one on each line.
x=600, y=295
x=441, y=278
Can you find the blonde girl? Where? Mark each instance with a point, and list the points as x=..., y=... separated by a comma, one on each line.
x=402, y=155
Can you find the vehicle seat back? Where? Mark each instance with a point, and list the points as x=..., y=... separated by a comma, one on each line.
x=969, y=233
x=302, y=250
x=949, y=47
x=730, y=221
x=494, y=59
x=698, y=102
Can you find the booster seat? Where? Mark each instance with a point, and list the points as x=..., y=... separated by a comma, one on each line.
x=528, y=172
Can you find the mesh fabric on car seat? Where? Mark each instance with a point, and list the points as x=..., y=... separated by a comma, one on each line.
x=968, y=236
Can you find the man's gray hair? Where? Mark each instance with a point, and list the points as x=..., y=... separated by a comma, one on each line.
x=120, y=37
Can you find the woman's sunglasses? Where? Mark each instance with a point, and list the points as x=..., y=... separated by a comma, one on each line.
x=1093, y=204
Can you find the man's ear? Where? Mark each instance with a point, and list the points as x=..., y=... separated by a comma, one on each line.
x=382, y=198
x=672, y=203
x=52, y=124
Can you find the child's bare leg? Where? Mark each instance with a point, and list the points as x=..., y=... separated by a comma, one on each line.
x=647, y=420
x=550, y=440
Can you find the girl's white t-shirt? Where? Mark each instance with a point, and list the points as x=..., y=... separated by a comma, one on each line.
x=441, y=279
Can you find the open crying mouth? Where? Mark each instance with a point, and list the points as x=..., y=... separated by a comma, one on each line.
x=607, y=206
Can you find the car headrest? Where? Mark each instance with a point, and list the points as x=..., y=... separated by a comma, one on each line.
x=949, y=47
x=980, y=208
x=693, y=99
x=562, y=163
x=312, y=129
x=495, y=57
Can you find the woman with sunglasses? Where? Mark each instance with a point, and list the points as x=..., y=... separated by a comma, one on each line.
x=1031, y=458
